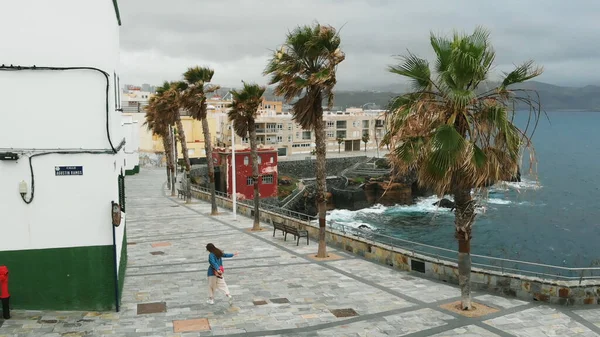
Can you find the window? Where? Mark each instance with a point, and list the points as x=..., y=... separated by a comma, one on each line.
x=249, y=180
x=305, y=135
x=355, y=124
x=379, y=123
x=366, y=124
x=365, y=132
x=289, y=138
x=279, y=139
x=268, y=179
x=330, y=124
x=297, y=135
x=121, y=183
x=259, y=160
x=119, y=91
x=290, y=126
x=340, y=124
x=355, y=134
x=245, y=140
x=330, y=134
x=340, y=134
x=246, y=160
x=272, y=159
x=116, y=95
x=279, y=126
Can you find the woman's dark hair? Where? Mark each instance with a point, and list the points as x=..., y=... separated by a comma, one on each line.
x=211, y=248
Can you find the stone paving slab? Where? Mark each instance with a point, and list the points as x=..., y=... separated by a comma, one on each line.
x=540, y=321
x=296, y=294
x=406, y=283
x=590, y=315
x=466, y=331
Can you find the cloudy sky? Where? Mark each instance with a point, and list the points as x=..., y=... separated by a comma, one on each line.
x=160, y=39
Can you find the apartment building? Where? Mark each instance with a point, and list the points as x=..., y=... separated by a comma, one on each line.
x=279, y=130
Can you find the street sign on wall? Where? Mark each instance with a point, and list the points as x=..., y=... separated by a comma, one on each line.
x=68, y=170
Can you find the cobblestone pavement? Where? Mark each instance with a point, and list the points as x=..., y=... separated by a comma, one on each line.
x=278, y=289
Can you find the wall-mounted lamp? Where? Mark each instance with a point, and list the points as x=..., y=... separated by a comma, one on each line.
x=22, y=188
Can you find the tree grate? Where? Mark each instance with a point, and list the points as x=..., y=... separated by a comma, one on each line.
x=151, y=308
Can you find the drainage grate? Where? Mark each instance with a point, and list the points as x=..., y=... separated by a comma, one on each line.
x=348, y=312
x=259, y=302
x=416, y=265
x=48, y=321
x=131, y=243
x=280, y=300
x=151, y=308
x=157, y=253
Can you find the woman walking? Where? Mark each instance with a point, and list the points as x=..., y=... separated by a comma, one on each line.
x=215, y=273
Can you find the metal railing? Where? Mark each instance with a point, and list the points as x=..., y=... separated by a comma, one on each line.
x=263, y=206
x=439, y=254
x=501, y=265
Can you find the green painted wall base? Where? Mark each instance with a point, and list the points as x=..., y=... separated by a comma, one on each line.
x=123, y=264
x=76, y=278
x=134, y=170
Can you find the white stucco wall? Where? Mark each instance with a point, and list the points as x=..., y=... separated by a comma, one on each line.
x=44, y=110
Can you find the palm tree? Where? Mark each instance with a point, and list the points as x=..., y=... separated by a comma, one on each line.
x=305, y=66
x=365, y=139
x=156, y=123
x=243, y=113
x=170, y=104
x=194, y=101
x=457, y=133
x=340, y=140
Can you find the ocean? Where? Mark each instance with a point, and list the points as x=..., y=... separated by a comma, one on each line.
x=550, y=217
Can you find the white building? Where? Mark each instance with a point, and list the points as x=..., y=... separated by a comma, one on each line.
x=62, y=154
x=131, y=132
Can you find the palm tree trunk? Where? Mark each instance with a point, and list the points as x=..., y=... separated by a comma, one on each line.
x=167, y=159
x=173, y=160
x=211, y=167
x=186, y=161
x=168, y=143
x=255, y=177
x=321, y=177
x=464, y=217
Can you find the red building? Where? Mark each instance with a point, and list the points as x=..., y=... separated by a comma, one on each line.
x=267, y=171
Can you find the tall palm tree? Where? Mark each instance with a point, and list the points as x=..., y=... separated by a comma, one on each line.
x=305, y=66
x=170, y=103
x=456, y=130
x=194, y=101
x=243, y=114
x=156, y=122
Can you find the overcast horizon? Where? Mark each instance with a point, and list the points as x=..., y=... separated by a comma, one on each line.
x=234, y=37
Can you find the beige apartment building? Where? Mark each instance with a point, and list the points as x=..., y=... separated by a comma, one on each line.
x=278, y=129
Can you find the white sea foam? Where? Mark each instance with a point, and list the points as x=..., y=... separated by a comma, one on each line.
x=497, y=201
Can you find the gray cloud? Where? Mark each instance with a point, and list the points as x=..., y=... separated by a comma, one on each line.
x=160, y=39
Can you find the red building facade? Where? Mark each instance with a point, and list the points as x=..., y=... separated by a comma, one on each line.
x=267, y=171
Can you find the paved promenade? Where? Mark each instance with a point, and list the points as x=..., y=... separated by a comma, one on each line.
x=278, y=289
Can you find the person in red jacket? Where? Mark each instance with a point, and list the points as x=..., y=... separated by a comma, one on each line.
x=215, y=273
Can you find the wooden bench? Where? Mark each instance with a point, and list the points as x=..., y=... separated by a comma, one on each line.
x=280, y=226
x=297, y=233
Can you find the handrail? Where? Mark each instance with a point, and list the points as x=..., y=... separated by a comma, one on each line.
x=571, y=273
